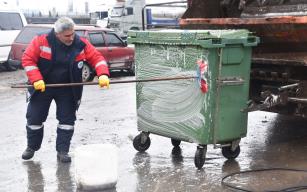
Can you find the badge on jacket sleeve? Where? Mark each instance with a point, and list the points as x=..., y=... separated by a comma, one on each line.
x=80, y=64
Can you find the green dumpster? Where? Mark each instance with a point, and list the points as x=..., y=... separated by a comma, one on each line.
x=208, y=107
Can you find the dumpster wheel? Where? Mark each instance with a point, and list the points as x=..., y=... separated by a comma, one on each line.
x=229, y=154
x=200, y=156
x=175, y=142
x=141, y=142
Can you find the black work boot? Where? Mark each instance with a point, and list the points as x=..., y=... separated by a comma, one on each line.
x=63, y=157
x=28, y=153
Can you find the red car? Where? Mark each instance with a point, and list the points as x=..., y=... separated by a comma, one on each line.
x=118, y=55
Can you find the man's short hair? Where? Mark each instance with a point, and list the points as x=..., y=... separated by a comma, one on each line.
x=63, y=24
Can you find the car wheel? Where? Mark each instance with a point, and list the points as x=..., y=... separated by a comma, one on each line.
x=135, y=28
x=87, y=73
x=9, y=66
x=132, y=69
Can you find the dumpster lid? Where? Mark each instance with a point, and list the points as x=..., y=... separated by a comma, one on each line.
x=194, y=37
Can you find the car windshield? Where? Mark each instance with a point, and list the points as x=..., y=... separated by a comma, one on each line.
x=99, y=15
x=28, y=33
x=81, y=33
x=10, y=21
x=117, y=11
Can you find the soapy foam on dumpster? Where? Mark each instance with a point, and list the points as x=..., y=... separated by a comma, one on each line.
x=172, y=107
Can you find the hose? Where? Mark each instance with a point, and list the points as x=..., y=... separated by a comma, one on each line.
x=289, y=189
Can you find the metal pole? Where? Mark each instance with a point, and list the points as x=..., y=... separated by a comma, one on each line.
x=288, y=86
x=143, y=18
x=297, y=100
x=111, y=82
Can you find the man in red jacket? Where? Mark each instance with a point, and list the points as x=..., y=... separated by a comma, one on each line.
x=57, y=57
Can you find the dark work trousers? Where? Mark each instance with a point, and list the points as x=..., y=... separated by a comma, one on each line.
x=37, y=112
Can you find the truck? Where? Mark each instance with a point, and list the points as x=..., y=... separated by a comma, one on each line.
x=133, y=14
x=126, y=15
x=278, y=75
x=99, y=15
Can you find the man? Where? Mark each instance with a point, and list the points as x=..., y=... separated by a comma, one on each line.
x=57, y=57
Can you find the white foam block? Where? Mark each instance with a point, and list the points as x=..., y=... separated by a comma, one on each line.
x=96, y=166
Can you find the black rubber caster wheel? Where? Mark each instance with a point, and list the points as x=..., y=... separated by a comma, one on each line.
x=175, y=142
x=141, y=142
x=200, y=156
x=229, y=154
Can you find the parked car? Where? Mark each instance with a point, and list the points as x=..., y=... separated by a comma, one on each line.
x=118, y=55
x=11, y=22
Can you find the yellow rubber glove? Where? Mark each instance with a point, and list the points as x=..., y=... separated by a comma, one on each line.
x=104, y=81
x=39, y=85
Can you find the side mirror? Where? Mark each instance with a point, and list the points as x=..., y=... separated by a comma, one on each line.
x=124, y=39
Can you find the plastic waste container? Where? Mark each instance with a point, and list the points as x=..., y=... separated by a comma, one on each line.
x=186, y=110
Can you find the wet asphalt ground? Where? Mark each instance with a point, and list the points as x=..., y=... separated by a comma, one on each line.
x=109, y=116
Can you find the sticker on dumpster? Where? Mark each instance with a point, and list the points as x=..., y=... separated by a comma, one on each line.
x=201, y=71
